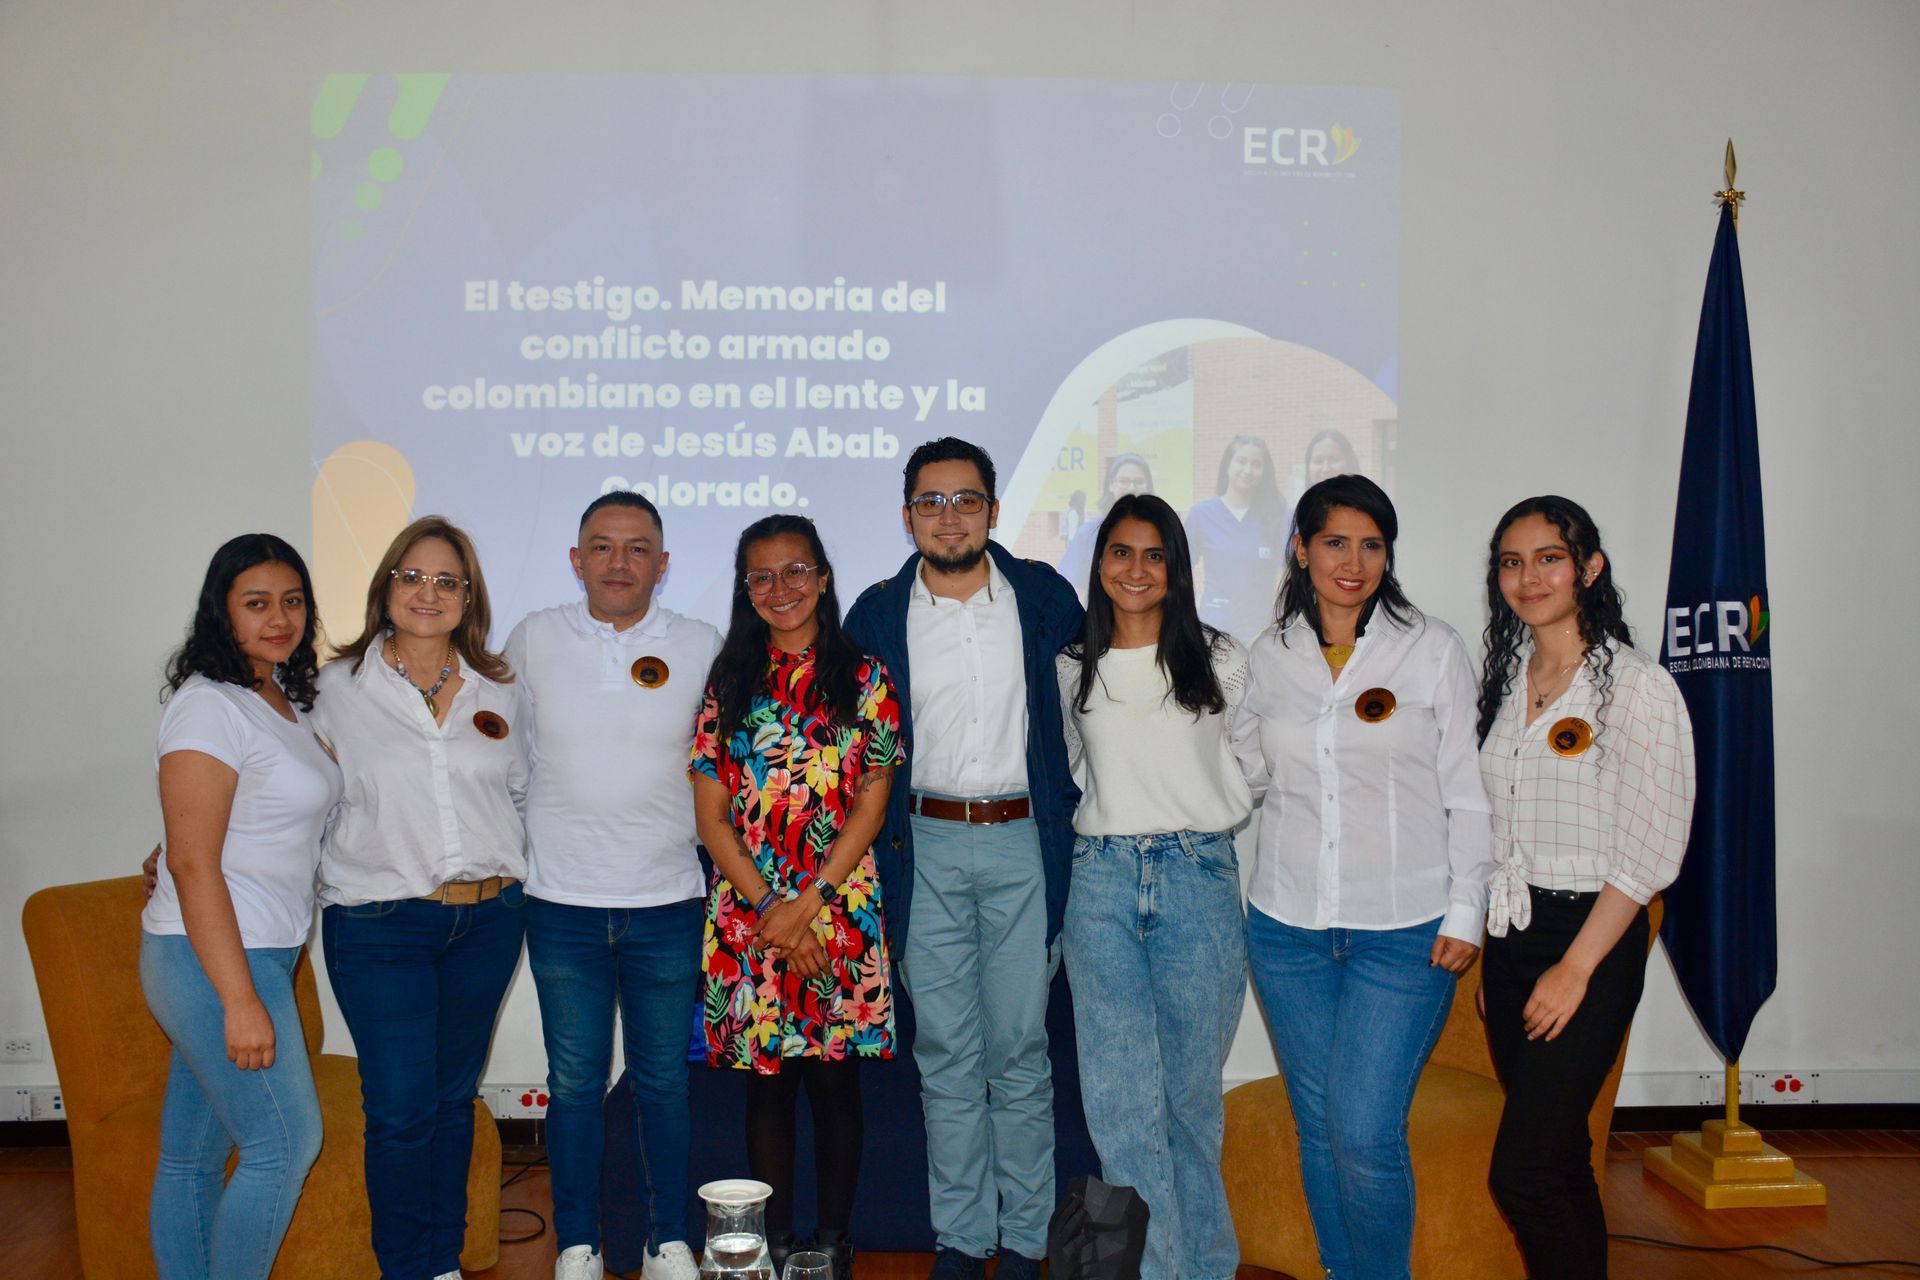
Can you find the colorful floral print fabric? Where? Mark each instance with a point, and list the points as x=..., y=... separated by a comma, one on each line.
x=792, y=773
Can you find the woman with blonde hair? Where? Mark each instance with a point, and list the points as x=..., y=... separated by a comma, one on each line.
x=421, y=873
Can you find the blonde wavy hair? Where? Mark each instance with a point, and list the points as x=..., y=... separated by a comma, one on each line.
x=476, y=617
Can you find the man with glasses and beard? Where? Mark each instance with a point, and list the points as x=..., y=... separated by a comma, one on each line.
x=977, y=847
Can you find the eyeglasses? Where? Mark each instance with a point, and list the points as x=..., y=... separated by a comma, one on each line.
x=760, y=581
x=965, y=502
x=414, y=579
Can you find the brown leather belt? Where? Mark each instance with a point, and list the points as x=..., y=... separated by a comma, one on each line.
x=974, y=811
x=464, y=893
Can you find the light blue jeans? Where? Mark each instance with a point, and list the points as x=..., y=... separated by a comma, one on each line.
x=1354, y=1014
x=203, y=1224
x=1157, y=955
x=977, y=970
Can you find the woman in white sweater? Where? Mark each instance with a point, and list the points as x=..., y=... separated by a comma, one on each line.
x=1155, y=934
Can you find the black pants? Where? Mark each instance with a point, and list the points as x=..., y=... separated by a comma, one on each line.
x=1542, y=1174
x=833, y=1091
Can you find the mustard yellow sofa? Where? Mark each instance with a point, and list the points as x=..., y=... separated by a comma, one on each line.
x=112, y=1061
x=1458, y=1231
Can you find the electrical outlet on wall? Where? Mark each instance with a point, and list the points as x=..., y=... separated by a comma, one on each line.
x=1766, y=1088
x=518, y=1101
x=19, y=1046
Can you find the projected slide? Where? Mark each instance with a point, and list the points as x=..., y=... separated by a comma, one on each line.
x=746, y=294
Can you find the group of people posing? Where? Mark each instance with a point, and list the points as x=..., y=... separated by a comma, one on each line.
x=941, y=794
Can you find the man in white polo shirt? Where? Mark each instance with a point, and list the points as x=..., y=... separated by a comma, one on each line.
x=614, y=887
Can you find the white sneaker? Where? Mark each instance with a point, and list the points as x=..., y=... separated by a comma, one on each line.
x=673, y=1262
x=450, y=1275
x=579, y=1263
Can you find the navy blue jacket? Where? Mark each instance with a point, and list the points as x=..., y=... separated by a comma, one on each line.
x=1050, y=616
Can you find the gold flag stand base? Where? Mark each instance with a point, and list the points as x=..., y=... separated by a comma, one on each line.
x=1727, y=1165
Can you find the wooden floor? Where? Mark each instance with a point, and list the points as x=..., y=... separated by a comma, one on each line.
x=1872, y=1177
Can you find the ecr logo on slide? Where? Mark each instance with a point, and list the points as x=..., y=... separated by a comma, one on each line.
x=1290, y=147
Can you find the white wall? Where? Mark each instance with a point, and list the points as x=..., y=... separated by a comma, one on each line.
x=1558, y=160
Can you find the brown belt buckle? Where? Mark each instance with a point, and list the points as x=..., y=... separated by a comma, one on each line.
x=468, y=893
x=971, y=812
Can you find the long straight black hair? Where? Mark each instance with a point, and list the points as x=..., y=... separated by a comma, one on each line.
x=1599, y=608
x=1297, y=596
x=1186, y=645
x=739, y=670
x=211, y=650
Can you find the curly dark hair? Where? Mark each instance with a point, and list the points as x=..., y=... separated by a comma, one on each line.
x=1601, y=614
x=739, y=670
x=211, y=649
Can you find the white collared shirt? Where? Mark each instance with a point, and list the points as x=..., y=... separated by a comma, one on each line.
x=1144, y=763
x=1617, y=812
x=969, y=689
x=609, y=807
x=424, y=803
x=1379, y=825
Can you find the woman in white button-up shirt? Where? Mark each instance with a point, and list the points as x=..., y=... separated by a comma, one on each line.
x=1369, y=889
x=421, y=874
x=1588, y=758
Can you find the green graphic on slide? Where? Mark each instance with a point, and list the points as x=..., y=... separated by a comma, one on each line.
x=334, y=103
x=413, y=107
x=418, y=96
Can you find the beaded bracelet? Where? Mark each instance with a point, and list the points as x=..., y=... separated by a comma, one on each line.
x=766, y=900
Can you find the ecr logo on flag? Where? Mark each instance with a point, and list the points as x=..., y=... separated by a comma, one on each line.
x=1716, y=633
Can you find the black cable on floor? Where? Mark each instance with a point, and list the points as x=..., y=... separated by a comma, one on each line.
x=537, y=1231
x=536, y=1163
x=1768, y=1248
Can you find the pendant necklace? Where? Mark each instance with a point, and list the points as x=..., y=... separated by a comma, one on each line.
x=1539, y=696
x=426, y=695
x=1337, y=655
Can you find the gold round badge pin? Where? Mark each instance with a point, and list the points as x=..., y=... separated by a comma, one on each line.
x=490, y=723
x=649, y=672
x=1570, y=737
x=1375, y=705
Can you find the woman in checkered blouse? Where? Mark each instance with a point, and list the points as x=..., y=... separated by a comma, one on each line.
x=1587, y=755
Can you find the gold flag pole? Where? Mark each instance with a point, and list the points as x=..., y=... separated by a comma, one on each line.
x=1727, y=1165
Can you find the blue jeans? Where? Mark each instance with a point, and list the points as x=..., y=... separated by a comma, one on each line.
x=583, y=959
x=1354, y=1014
x=1156, y=950
x=204, y=1225
x=420, y=984
x=977, y=970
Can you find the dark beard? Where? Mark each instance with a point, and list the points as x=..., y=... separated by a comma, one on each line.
x=956, y=562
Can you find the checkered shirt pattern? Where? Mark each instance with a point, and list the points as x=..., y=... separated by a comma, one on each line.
x=1616, y=813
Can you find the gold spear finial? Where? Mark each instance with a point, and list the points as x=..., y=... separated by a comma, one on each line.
x=1730, y=196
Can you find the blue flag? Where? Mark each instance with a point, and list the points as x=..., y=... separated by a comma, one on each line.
x=1719, y=928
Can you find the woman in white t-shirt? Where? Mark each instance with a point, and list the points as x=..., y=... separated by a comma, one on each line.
x=245, y=790
x=421, y=876
x=1154, y=935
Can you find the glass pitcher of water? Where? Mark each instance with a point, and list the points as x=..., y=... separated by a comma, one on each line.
x=736, y=1231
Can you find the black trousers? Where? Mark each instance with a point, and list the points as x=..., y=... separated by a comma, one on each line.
x=1542, y=1175
x=833, y=1091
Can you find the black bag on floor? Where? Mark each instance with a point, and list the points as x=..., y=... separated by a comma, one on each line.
x=1099, y=1232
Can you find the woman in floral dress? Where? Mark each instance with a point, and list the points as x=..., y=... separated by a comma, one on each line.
x=792, y=759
